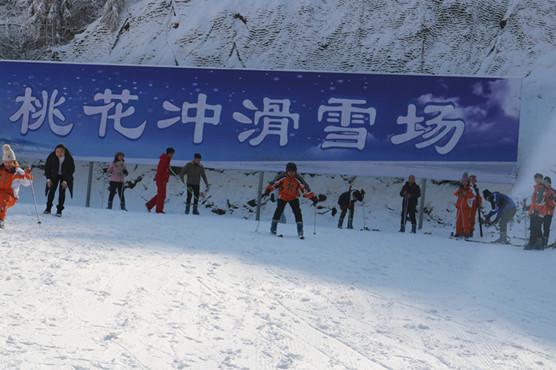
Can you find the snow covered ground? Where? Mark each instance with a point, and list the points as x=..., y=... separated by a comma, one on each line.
x=102, y=289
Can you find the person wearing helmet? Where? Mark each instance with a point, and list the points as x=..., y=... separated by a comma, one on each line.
x=290, y=186
x=347, y=201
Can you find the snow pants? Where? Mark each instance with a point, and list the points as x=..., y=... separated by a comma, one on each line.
x=116, y=187
x=294, y=204
x=6, y=201
x=507, y=217
x=409, y=212
x=465, y=221
x=344, y=211
x=160, y=197
x=56, y=183
x=193, y=192
x=536, y=237
x=546, y=223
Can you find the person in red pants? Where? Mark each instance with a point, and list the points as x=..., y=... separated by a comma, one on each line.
x=161, y=179
x=464, y=208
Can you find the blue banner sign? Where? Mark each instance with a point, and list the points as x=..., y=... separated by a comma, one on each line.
x=341, y=123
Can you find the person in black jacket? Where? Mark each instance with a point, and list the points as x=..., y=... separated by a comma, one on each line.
x=59, y=170
x=346, y=201
x=411, y=192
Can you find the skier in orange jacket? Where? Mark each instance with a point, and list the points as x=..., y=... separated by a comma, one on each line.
x=290, y=186
x=11, y=178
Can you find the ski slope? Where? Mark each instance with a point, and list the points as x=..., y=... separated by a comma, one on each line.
x=107, y=289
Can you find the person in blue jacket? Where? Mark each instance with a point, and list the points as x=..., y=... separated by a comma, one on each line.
x=503, y=211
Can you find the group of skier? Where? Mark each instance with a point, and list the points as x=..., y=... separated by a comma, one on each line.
x=290, y=186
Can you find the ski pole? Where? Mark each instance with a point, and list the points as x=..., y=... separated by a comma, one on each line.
x=315, y=222
x=35, y=203
x=364, y=205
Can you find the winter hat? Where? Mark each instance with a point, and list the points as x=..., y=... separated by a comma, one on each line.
x=487, y=194
x=548, y=180
x=197, y=156
x=7, y=153
x=291, y=167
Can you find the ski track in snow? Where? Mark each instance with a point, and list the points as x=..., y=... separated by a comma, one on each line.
x=100, y=289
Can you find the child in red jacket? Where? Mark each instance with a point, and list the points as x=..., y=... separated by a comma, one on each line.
x=11, y=178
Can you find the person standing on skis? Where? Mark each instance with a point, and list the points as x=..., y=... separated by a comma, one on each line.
x=290, y=185
x=117, y=171
x=547, y=219
x=194, y=171
x=11, y=178
x=162, y=177
x=477, y=202
x=464, y=208
x=346, y=202
x=503, y=211
x=58, y=170
x=411, y=192
x=541, y=201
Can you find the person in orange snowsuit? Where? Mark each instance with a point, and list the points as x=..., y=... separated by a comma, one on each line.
x=464, y=209
x=542, y=203
x=290, y=186
x=11, y=178
x=477, y=202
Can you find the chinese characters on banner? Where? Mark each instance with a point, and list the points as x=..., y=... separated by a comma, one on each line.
x=347, y=123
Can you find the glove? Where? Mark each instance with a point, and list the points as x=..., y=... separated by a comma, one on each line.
x=315, y=201
x=266, y=194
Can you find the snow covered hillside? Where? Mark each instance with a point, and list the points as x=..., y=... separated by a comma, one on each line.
x=100, y=289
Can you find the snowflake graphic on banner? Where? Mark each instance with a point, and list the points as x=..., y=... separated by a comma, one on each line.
x=275, y=118
x=118, y=114
x=204, y=114
x=432, y=130
x=347, y=119
x=33, y=112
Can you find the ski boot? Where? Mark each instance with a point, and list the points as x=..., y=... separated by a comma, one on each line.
x=2, y=224
x=350, y=224
x=109, y=205
x=300, y=231
x=122, y=207
x=187, y=209
x=341, y=223
x=402, y=228
x=47, y=211
x=273, y=227
x=59, y=211
x=413, y=229
x=196, y=211
x=503, y=239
